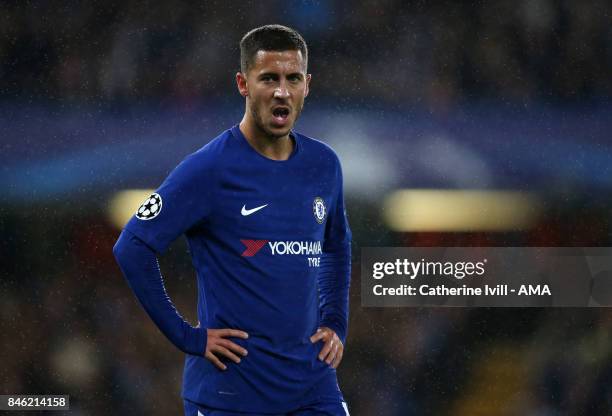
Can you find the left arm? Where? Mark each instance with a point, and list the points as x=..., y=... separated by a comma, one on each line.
x=334, y=281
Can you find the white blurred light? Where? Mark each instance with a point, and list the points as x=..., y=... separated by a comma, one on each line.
x=366, y=168
x=460, y=210
x=124, y=205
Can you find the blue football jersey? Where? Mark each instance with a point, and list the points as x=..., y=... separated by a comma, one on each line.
x=257, y=230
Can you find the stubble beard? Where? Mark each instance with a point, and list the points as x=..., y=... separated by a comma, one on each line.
x=261, y=126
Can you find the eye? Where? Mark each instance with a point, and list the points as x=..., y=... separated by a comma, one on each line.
x=266, y=78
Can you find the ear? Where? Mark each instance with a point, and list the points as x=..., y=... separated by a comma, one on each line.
x=241, y=83
x=308, y=78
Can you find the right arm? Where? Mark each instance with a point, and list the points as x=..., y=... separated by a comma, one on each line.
x=184, y=200
x=139, y=265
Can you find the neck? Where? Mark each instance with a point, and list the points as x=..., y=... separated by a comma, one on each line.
x=275, y=148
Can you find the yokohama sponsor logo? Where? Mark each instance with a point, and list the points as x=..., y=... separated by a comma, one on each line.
x=308, y=248
x=304, y=248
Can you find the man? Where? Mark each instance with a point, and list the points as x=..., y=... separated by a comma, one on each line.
x=262, y=209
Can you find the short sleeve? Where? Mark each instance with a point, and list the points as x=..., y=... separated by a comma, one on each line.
x=182, y=201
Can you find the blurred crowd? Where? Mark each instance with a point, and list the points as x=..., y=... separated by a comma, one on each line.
x=431, y=53
x=70, y=325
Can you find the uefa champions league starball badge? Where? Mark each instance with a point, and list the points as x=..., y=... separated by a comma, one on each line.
x=319, y=210
x=150, y=208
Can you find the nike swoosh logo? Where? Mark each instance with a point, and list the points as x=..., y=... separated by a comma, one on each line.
x=246, y=212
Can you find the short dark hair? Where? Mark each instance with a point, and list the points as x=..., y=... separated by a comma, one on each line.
x=270, y=38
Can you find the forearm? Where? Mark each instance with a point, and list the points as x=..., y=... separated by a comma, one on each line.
x=139, y=265
x=334, y=281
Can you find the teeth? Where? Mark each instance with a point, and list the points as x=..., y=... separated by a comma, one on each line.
x=281, y=113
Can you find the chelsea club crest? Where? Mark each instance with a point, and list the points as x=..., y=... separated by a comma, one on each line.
x=319, y=210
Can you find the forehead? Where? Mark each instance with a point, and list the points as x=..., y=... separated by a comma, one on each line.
x=278, y=61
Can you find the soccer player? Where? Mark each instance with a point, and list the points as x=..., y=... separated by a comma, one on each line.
x=262, y=209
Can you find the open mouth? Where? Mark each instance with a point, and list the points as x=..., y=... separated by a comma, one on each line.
x=280, y=114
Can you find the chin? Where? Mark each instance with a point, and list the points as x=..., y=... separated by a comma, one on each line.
x=279, y=131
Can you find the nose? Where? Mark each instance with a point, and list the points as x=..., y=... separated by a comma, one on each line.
x=281, y=91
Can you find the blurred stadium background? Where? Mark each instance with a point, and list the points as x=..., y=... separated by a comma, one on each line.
x=494, y=111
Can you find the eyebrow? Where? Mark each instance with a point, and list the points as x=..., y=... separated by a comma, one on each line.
x=275, y=75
